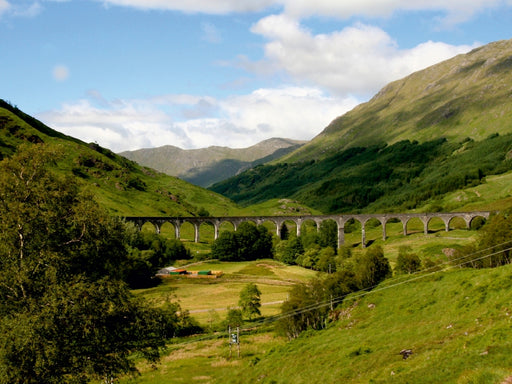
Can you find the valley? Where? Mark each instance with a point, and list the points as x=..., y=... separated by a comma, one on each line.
x=388, y=232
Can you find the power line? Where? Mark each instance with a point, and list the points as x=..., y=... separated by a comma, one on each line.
x=461, y=261
x=378, y=288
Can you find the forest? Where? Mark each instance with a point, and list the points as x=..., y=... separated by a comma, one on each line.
x=397, y=177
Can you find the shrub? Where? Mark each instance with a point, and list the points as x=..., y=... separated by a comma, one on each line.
x=371, y=268
x=407, y=262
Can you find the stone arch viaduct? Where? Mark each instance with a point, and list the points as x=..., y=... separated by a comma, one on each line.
x=278, y=221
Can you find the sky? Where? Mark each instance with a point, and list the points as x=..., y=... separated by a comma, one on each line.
x=130, y=74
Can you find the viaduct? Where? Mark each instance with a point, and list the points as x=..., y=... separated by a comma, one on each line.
x=278, y=221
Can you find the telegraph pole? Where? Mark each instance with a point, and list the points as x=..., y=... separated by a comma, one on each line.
x=234, y=338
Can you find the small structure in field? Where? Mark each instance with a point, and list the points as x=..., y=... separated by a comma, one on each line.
x=181, y=272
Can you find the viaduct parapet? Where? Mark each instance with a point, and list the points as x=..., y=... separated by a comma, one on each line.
x=278, y=221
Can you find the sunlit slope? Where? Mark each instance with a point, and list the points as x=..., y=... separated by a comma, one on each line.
x=120, y=185
x=457, y=325
x=466, y=96
x=439, y=130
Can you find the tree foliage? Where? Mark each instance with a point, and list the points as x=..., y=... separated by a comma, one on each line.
x=234, y=318
x=407, y=262
x=492, y=247
x=248, y=242
x=250, y=301
x=328, y=234
x=65, y=314
x=306, y=308
x=287, y=251
x=403, y=175
x=148, y=252
x=372, y=267
x=309, y=304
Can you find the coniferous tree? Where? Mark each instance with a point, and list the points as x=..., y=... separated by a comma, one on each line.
x=250, y=301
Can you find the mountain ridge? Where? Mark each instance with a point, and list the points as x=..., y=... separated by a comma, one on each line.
x=444, y=128
x=206, y=166
x=438, y=101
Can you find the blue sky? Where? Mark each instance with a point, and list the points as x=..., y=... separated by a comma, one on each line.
x=131, y=74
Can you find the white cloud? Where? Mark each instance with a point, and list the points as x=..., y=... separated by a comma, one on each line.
x=210, y=33
x=119, y=125
x=4, y=6
x=60, y=73
x=356, y=60
x=193, y=6
x=456, y=10
x=22, y=9
x=292, y=112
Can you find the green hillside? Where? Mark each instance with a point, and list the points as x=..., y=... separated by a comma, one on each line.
x=437, y=131
x=466, y=96
x=455, y=322
x=118, y=184
x=457, y=325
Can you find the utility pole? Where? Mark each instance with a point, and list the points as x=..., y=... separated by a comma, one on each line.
x=238, y=340
x=234, y=338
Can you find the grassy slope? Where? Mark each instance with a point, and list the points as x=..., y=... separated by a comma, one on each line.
x=466, y=96
x=464, y=100
x=456, y=322
x=112, y=178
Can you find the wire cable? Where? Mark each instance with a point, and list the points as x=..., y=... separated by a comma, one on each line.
x=449, y=264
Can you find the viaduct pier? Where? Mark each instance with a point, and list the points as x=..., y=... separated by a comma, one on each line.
x=278, y=221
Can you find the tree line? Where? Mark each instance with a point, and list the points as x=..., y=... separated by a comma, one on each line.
x=400, y=176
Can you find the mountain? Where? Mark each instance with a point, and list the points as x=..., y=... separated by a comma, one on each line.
x=118, y=184
x=466, y=96
x=207, y=166
x=441, y=129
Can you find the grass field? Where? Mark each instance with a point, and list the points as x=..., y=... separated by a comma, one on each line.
x=456, y=322
x=202, y=296
x=431, y=316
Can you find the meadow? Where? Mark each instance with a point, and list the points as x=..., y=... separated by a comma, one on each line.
x=363, y=345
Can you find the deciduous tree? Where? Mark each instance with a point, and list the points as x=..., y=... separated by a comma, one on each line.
x=65, y=314
x=372, y=267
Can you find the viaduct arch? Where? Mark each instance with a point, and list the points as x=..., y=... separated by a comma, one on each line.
x=340, y=220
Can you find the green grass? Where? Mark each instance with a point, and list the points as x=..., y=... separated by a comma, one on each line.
x=493, y=195
x=466, y=96
x=201, y=296
x=457, y=324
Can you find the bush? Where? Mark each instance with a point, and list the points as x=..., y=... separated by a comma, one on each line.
x=249, y=242
x=371, y=268
x=493, y=246
x=305, y=309
x=233, y=318
x=407, y=262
